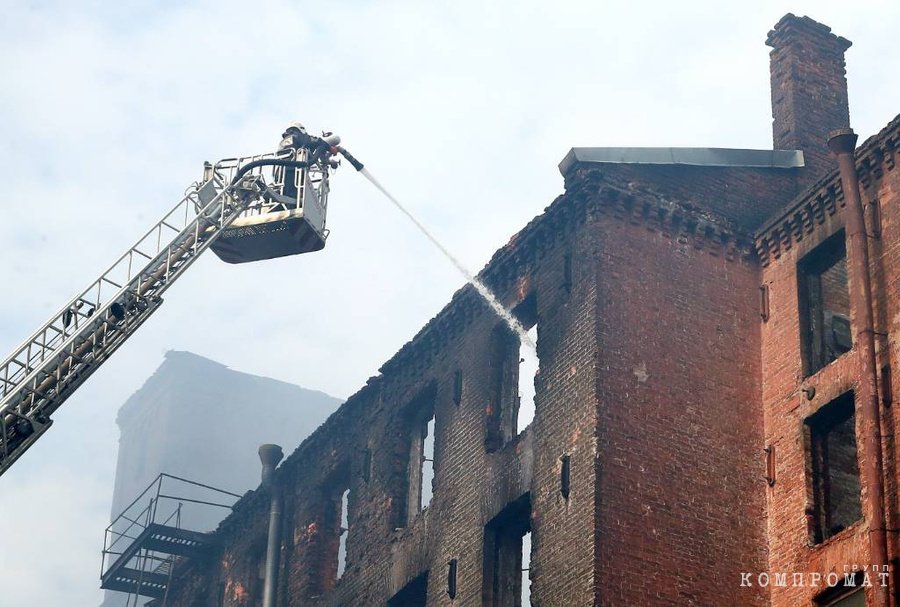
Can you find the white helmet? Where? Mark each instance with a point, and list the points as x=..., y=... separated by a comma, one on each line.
x=294, y=125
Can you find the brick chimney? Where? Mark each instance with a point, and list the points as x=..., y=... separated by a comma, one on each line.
x=809, y=89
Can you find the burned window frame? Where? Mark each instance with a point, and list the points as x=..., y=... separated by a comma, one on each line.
x=502, y=554
x=412, y=422
x=502, y=414
x=820, y=429
x=327, y=514
x=417, y=459
x=820, y=342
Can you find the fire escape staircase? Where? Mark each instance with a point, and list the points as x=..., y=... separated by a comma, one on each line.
x=160, y=544
x=144, y=544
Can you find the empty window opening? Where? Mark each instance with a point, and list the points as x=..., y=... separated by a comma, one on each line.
x=824, y=298
x=414, y=594
x=834, y=467
x=420, y=475
x=330, y=514
x=528, y=370
x=507, y=557
x=526, y=569
x=426, y=470
x=344, y=531
x=513, y=366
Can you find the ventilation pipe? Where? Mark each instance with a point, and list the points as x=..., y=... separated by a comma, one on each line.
x=270, y=455
x=842, y=143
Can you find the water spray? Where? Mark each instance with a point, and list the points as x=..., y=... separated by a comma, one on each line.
x=482, y=289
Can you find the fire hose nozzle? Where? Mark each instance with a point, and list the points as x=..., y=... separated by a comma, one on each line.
x=331, y=139
x=353, y=161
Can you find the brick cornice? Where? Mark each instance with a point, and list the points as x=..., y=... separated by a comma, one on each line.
x=590, y=195
x=877, y=155
x=680, y=220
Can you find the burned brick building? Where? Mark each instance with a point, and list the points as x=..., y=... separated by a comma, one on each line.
x=715, y=331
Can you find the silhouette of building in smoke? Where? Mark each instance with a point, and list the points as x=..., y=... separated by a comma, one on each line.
x=198, y=419
x=700, y=409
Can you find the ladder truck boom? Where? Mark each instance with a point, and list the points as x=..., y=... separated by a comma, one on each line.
x=37, y=378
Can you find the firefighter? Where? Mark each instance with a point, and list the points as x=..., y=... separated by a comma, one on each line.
x=294, y=138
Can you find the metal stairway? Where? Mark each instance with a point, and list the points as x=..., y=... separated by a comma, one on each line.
x=143, y=545
x=156, y=545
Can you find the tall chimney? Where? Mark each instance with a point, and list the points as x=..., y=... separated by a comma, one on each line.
x=809, y=90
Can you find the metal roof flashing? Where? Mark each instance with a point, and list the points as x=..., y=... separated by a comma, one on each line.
x=711, y=157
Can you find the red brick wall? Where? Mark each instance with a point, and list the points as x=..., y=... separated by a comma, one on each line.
x=681, y=489
x=884, y=190
x=786, y=407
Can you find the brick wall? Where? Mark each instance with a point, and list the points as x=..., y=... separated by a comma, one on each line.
x=817, y=216
x=680, y=491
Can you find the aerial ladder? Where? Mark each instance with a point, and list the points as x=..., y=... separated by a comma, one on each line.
x=244, y=209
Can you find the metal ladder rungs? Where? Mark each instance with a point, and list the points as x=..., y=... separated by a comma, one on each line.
x=170, y=226
x=141, y=253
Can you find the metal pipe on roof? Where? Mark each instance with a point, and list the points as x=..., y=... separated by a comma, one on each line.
x=842, y=143
x=270, y=455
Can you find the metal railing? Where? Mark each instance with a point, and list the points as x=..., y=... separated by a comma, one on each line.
x=311, y=183
x=169, y=501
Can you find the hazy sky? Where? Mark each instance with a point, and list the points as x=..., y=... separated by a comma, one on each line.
x=462, y=109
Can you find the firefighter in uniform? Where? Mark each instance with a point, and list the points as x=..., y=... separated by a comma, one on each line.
x=295, y=138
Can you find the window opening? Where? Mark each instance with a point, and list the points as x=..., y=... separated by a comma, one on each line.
x=526, y=569
x=514, y=367
x=507, y=557
x=824, y=298
x=344, y=531
x=426, y=470
x=528, y=370
x=419, y=428
x=835, y=469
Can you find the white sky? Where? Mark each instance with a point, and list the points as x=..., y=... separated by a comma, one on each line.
x=461, y=109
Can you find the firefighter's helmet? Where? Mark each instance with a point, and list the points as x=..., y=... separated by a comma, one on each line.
x=294, y=126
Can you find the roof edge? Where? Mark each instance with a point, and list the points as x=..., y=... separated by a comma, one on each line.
x=710, y=157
